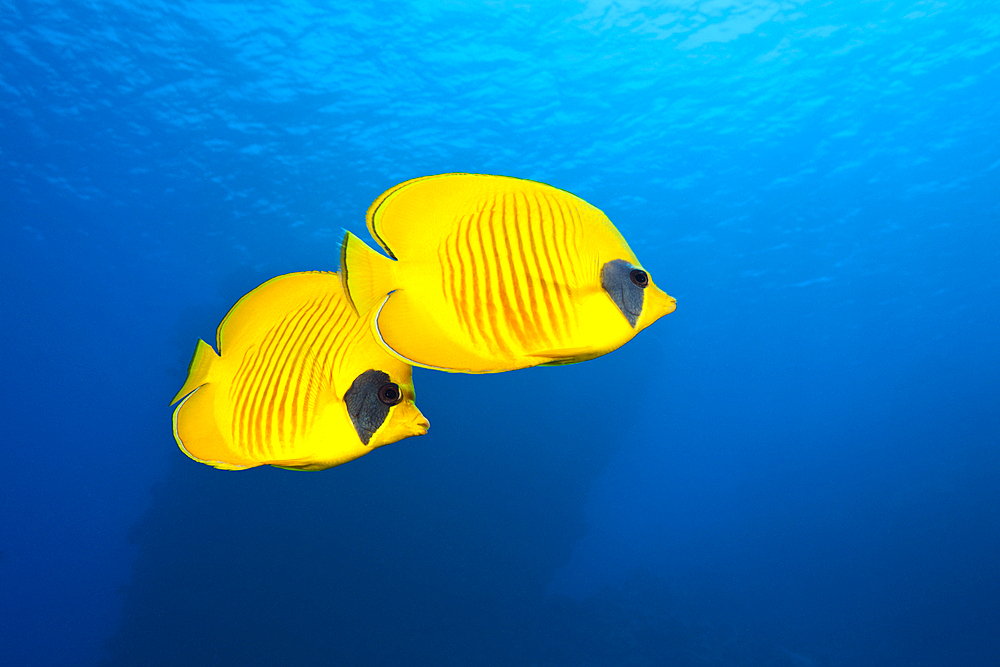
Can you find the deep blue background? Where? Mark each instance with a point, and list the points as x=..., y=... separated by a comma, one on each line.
x=800, y=466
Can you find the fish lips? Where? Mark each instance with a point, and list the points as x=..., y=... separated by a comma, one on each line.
x=419, y=425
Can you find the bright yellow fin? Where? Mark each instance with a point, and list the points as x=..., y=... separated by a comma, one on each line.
x=415, y=210
x=197, y=433
x=260, y=309
x=400, y=314
x=310, y=466
x=365, y=275
x=411, y=218
x=198, y=370
x=569, y=355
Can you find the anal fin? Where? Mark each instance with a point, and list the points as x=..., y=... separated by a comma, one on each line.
x=563, y=356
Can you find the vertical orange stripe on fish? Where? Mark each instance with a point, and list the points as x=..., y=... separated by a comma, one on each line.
x=525, y=286
x=460, y=291
x=300, y=376
x=337, y=329
x=276, y=356
x=508, y=318
x=282, y=371
x=559, y=244
x=543, y=279
x=481, y=280
x=471, y=294
x=552, y=288
x=491, y=273
x=524, y=263
x=288, y=344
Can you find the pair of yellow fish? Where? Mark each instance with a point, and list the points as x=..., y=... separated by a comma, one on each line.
x=485, y=274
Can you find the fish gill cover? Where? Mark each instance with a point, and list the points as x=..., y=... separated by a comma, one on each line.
x=798, y=467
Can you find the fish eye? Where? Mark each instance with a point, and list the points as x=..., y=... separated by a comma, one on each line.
x=639, y=278
x=390, y=394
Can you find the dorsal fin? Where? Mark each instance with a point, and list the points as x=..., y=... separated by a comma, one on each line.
x=198, y=370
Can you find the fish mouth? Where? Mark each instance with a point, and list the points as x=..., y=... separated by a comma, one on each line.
x=664, y=304
x=657, y=304
x=420, y=425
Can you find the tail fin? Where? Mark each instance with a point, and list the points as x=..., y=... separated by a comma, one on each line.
x=198, y=369
x=366, y=275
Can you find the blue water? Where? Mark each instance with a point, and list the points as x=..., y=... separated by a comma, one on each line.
x=799, y=467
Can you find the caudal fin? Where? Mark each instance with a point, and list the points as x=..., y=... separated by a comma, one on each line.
x=366, y=275
x=198, y=369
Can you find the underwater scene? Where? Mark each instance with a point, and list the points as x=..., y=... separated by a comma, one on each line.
x=675, y=325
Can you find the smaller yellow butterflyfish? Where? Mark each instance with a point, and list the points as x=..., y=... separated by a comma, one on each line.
x=492, y=273
x=299, y=382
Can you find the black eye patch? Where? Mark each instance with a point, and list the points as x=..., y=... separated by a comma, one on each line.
x=368, y=401
x=625, y=284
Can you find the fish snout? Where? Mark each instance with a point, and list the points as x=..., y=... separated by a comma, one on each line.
x=658, y=303
x=419, y=424
x=665, y=304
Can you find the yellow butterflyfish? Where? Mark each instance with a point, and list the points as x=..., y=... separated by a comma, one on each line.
x=492, y=273
x=299, y=382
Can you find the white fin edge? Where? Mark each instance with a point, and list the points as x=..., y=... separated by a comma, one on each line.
x=221, y=465
x=404, y=359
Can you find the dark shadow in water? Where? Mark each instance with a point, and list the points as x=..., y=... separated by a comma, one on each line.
x=434, y=550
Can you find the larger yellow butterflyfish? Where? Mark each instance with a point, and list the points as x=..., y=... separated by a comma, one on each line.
x=491, y=273
x=299, y=382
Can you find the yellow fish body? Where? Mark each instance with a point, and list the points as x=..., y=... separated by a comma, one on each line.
x=299, y=383
x=491, y=273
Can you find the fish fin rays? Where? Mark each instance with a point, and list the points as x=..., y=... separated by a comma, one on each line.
x=198, y=370
x=304, y=466
x=561, y=357
x=270, y=302
x=409, y=219
x=366, y=275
